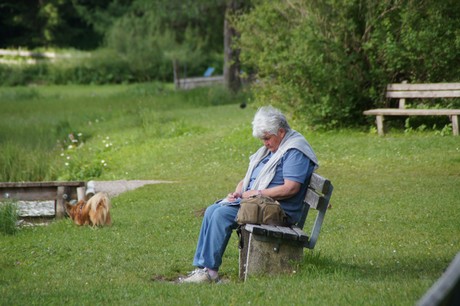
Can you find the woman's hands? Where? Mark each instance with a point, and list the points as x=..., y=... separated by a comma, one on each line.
x=287, y=190
x=233, y=196
x=251, y=193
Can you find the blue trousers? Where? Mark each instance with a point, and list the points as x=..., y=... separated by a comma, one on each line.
x=216, y=229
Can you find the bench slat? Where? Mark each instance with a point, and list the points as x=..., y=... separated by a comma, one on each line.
x=256, y=229
x=427, y=86
x=319, y=184
x=314, y=200
x=288, y=233
x=272, y=231
x=412, y=112
x=424, y=94
x=42, y=184
x=301, y=234
x=281, y=232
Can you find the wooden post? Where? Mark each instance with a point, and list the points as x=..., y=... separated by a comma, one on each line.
x=379, y=121
x=176, y=71
x=60, y=203
x=455, y=125
x=402, y=101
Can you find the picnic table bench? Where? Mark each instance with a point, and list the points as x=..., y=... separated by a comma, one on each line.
x=44, y=191
x=269, y=249
x=403, y=91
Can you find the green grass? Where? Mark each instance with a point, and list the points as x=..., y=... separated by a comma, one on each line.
x=392, y=230
x=8, y=218
x=37, y=121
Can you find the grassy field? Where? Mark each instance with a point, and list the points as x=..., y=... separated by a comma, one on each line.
x=393, y=228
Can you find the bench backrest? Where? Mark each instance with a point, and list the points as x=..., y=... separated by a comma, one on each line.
x=317, y=197
x=404, y=91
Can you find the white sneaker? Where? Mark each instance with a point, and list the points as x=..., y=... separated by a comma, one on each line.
x=199, y=276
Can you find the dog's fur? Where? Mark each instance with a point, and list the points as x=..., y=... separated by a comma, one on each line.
x=95, y=211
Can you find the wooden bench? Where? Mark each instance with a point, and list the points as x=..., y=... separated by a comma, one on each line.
x=405, y=91
x=189, y=83
x=44, y=191
x=270, y=249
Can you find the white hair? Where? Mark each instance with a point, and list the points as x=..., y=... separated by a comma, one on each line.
x=268, y=120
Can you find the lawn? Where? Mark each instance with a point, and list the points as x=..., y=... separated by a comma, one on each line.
x=393, y=227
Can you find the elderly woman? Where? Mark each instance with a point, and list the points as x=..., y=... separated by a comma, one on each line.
x=280, y=169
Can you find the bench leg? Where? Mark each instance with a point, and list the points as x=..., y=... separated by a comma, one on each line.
x=268, y=257
x=60, y=203
x=62, y=196
x=243, y=254
x=379, y=121
x=455, y=125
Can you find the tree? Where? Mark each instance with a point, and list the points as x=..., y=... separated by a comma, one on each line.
x=232, y=65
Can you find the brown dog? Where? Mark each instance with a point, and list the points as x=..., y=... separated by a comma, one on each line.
x=95, y=211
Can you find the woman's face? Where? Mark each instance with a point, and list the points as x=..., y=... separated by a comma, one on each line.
x=272, y=142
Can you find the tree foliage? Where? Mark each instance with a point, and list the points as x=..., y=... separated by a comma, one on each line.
x=151, y=39
x=50, y=23
x=328, y=60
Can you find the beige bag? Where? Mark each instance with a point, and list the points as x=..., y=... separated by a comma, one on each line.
x=261, y=210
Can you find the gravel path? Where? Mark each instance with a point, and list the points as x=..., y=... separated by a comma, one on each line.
x=114, y=188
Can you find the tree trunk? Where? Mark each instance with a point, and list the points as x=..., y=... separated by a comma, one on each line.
x=231, y=56
x=176, y=70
